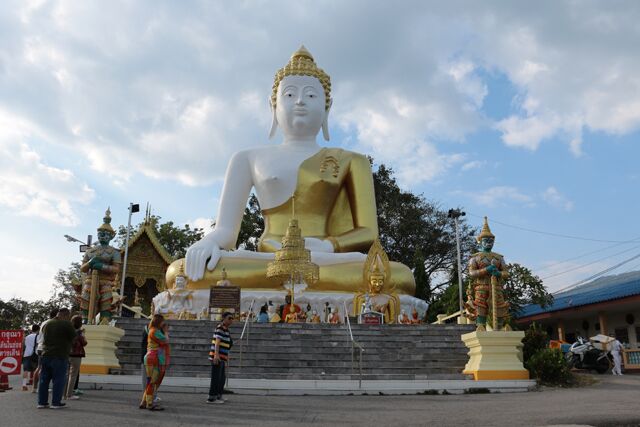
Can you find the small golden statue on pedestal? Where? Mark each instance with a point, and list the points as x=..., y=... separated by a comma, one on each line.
x=376, y=276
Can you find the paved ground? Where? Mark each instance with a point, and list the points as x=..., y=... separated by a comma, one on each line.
x=614, y=401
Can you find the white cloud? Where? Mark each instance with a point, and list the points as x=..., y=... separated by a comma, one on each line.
x=556, y=199
x=28, y=186
x=204, y=223
x=474, y=164
x=500, y=196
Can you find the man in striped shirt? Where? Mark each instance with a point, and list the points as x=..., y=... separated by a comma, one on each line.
x=219, y=355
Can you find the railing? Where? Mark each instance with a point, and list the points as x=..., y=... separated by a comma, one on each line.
x=354, y=345
x=246, y=329
x=442, y=319
x=137, y=312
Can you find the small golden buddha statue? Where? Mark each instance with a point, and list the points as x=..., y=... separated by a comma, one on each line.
x=376, y=276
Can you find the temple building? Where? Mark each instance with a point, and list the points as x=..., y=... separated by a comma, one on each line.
x=147, y=263
x=608, y=305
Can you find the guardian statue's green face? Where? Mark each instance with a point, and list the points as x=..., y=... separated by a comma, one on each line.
x=104, y=237
x=486, y=244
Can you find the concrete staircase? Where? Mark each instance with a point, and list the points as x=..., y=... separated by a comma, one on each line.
x=309, y=351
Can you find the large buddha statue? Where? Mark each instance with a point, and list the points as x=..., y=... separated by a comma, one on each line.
x=333, y=191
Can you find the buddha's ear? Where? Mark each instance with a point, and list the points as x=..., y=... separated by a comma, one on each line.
x=325, y=123
x=274, y=121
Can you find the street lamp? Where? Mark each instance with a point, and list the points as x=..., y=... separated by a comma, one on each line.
x=83, y=246
x=455, y=214
x=133, y=208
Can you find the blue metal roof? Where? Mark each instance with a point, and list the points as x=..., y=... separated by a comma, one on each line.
x=603, y=289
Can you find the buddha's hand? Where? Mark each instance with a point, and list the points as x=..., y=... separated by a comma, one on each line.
x=197, y=256
x=318, y=245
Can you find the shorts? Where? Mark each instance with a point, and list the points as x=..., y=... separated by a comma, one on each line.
x=29, y=365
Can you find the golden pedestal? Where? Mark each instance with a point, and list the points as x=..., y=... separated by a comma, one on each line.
x=100, y=349
x=495, y=355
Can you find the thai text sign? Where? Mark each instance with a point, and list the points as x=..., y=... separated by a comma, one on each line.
x=371, y=318
x=10, y=352
x=225, y=297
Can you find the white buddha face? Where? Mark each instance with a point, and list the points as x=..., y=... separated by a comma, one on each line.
x=181, y=282
x=300, y=106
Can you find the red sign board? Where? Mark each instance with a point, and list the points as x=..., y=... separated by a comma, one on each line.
x=10, y=352
x=371, y=319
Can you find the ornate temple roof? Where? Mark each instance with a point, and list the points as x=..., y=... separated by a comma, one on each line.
x=600, y=290
x=148, y=230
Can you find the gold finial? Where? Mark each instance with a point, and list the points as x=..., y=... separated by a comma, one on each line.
x=181, y=269
x=302, y=64
x=293, y=206
x=106, y=226
x=486, y=231
x=224, y=273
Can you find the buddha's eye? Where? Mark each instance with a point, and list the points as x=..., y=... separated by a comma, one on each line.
x=311, y=95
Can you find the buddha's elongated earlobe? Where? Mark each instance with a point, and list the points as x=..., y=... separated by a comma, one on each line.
x=325, y=123
x=274, y=122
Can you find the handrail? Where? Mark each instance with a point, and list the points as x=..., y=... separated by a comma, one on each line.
x=247, y=319
x=354, y=344
x=443, y=319
x=244, y=328
x=135, y=311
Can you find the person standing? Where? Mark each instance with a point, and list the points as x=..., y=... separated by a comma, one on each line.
x=75, y=357
x=58, y=336
x=219, y=356
x=155, y=361
x=30, y=357
x=263, y=317
x=616, y=352
x=39, y=342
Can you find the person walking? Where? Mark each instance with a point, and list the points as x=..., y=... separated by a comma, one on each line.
x=155, y=361
x=219, y=356
x=58, y=336
x=616, y=352
x=30, y=356
x=39, y=342
x=75, y=357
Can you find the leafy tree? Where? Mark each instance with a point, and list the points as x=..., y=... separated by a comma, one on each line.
x=252, y=225
x=66, y=284
x=419, y=234
x=522, y=287
x=176, y=240
x=20, y=314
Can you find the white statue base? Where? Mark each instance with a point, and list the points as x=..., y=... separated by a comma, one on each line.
x=495, y=355
x=101, y=349
x=317, y=300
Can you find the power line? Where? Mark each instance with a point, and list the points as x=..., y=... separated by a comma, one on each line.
x=598, y=274
x=546, y=233
x=546, y=267
x=588, y=264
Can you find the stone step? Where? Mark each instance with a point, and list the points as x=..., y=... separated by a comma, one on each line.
x=308, y=351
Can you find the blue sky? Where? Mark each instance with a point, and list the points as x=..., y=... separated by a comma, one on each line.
x=529, y=114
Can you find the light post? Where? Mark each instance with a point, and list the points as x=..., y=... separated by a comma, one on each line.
x=133, y=208
x=455, y=214
x=83, y=246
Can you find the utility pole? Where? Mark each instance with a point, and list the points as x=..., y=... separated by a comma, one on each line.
x=455, y=214
x=133, y=208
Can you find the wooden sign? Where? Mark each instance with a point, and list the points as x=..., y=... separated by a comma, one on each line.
x=224, y=297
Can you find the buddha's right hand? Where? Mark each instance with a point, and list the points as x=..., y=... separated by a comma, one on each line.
x=197, y=256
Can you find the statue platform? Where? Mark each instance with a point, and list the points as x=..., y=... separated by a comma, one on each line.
x=495, y=355
x=101, y=349
x=317, y=300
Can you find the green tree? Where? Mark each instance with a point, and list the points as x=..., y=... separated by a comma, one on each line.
x=175, y=239
x=66, y=285
x=252, y=225
x=522, y=287
x=418, y=233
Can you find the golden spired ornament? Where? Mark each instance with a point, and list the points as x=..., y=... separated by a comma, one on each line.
x=293, y=261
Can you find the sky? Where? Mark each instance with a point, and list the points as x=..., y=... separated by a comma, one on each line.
x=527, y=112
